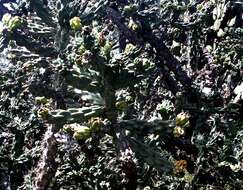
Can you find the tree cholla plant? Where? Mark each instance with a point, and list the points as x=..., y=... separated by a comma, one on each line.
x=121, y=94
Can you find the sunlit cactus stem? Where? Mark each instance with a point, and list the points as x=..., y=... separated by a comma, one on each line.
x=73, y=115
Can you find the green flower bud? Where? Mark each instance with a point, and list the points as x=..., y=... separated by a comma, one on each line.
x=129, y=48
x=199, y=7
x=75, y=23
x=41, y=100
x=128, y=9
x=68, y=128
x=95, y=124
x=6, y=18
x=178, y=131
x=43, y=113
x=82, y=49
x=135, y=26
x=220, y=33
x=147, y=188
x=121, y=105
x=106, y=50
x=182, y=119
x=12, y=22
x=209, y=48
x=15, y=22
x=81, y=133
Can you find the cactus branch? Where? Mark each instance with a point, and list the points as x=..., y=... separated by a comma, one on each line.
x=151, y=156
x=163, y=53
x=47, y=166
x=35, y=47
x=73, y=115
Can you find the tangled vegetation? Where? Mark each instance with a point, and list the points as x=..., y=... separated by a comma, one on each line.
x=121, y=94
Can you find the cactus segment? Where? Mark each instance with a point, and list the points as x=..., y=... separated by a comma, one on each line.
x=73, y=115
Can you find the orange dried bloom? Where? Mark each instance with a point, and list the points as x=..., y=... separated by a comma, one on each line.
x=180, y=165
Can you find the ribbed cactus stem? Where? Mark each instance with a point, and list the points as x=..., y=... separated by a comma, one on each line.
x=82, y=82
x=156, y=126
x=33, y=46
x=73, y=115
x=151, y=156
x=47, y=166
x=43, y=12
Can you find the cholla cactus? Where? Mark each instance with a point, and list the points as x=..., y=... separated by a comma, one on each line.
x=87, y=65
x=104, y=78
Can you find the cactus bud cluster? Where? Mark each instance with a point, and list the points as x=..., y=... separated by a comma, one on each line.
x=6, y=18
x=80, y=132
x=15, y=22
